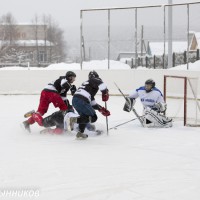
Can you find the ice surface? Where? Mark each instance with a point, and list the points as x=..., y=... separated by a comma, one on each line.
x=131, y=163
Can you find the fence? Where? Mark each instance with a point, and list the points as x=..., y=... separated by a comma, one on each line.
x=157, y=62
x=143, y=33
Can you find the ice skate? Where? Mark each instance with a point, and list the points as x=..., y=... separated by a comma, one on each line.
x=26, y=126
x=80, y=135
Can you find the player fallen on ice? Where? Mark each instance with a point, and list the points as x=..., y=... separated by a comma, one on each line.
x=84, y=102
x=153, y=103
x=56, y=93
x=60, y=122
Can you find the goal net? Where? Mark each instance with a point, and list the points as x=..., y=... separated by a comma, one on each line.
x=183, y=99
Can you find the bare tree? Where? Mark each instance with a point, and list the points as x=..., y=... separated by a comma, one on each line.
x=57, y=43
x=35, y=22
x=45, y=24
x=8, y=32
x=8, y=23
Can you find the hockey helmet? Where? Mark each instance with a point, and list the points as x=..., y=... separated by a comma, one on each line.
x=69, y=75
x=151, y=83
x=93, y=74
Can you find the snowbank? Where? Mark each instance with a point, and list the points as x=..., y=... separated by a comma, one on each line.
x=192, y=66
x=92, y=65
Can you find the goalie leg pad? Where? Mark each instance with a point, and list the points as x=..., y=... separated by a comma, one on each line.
x=154, y=119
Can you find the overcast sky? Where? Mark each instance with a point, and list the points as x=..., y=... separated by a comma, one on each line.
x=66, y=12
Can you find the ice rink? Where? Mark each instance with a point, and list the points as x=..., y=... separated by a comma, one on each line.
x=131, y=163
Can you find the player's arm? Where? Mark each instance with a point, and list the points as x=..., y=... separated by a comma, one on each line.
x=98, y=83
x=105, y=93
x=101, y=109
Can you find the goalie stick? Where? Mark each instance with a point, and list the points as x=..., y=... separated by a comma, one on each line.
x=114, y=127
x=133, y=109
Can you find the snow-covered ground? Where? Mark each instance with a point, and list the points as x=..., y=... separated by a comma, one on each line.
x=91, y=65
x=99, y=65
x=131, y=163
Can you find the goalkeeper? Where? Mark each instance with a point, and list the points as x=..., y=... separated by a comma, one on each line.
x=153, y=103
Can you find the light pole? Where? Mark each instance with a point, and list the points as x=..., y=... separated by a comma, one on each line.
x=169, y=34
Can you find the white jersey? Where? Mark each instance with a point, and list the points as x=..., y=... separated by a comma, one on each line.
x=148, y=99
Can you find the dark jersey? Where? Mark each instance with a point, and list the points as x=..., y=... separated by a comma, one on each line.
x=61, y=86
x=89, y=88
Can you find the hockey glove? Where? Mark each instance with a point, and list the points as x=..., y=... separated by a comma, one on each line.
x=73, y=89
x=129, y=104
x=104, y=111
x=105, y=95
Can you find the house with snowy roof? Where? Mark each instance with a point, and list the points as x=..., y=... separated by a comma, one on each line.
x=157, y=48
x=29, y=44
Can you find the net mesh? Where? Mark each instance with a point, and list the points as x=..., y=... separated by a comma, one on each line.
x=176, y=89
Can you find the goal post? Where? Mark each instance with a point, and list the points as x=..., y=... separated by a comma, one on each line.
x=181, y=96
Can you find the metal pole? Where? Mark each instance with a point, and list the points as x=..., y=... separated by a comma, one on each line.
x=185, y=101
x=188, y=32
x=142, y=42
x=164, y=39
x=136, y=56
x=107, y=130
x=133, y=7
x=108, y=39
x=170, y=34
x=81, y=38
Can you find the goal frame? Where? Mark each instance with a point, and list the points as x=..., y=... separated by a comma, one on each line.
x=185, y=87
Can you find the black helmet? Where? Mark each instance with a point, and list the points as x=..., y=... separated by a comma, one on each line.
x=69, y=75
x=150, y=82
x=93, y=74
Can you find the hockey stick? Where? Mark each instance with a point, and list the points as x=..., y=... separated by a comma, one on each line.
x=133, y=109
x=122, y=123
x=106, y=120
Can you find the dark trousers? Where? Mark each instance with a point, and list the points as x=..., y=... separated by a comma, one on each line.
x=85, y=110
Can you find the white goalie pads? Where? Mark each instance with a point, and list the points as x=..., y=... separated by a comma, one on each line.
x=154, y=119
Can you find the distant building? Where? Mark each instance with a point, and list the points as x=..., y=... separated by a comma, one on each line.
x=157, y=48
x=30, y=44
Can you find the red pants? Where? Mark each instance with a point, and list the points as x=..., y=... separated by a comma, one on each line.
x=46, y=98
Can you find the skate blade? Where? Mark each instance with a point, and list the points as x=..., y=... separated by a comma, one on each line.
x=99, y=132
x=81, y=138
x=24, y=129
x=29, y=114
x=46, y=131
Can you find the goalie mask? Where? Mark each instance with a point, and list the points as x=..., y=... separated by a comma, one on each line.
x=149, y=85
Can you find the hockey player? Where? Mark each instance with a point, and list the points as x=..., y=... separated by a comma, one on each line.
x=56, y=119
x=153, y=103
x=55, y=93
x=84, y=102
x=59, y=120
